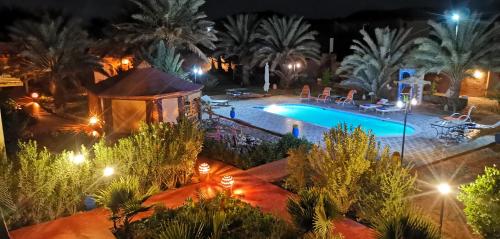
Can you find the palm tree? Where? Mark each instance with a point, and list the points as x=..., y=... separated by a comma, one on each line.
x=180, y=23
x=284, y=40
x=165, y=59
x=54, y=50
x=374, y=61
x=454, y=48
x=237, y=39
x=409, y=225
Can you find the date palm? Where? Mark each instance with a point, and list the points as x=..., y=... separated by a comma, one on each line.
x=165, y=59
x=237, y=39
x=180, y=23
x=284, y=40
x=375, y=60
x=54, y=50
x=454, y=48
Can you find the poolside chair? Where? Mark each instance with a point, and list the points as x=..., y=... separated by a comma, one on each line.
x=349, y=99
x=325, y=95
x=389, y=109
x=465, y=116
x=207, y=99
x=380, y=103
x=305, y=94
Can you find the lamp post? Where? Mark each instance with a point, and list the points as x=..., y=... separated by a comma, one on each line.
x=444, y=189
x=456, y=18
x=196, y=72
x=294, y=66
x=406, y=105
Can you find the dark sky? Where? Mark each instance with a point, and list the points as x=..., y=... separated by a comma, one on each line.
x=308, y=8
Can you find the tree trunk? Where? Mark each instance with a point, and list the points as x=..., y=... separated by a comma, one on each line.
x=454, y=93
x=246, y=75
x=59, y=95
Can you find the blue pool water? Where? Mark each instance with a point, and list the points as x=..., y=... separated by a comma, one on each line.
x=330, y=118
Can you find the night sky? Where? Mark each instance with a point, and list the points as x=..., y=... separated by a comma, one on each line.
x=220, y=8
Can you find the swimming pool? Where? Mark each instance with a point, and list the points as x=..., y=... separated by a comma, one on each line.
x=329, y=118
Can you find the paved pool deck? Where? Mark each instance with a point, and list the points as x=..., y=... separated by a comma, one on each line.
x=420, y=148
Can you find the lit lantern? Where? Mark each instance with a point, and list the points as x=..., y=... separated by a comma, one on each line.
x=125, y=61
x=204, y=168
x=93, y=120
x=227, y=181
x=35, y=95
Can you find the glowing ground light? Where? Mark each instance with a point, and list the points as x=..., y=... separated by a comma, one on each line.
x=108, y=171
x=275, y=109
x=204, y=168
x=93, y=120
x=227, y=181
x=444, y=188
x=77, y=159
x=95, y=134
x=125, y=61
x=35, y=95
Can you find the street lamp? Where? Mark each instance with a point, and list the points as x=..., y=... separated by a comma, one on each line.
x=444, y=189
x=294, y=66
x=196, y=72
x=406, y=105
x=456, y=18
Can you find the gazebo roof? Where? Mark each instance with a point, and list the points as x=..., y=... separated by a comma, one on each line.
x=146, y=83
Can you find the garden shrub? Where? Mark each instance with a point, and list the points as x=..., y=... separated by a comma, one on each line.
x=219, y=217
x=15, y=122
x=481, y=199
x=408, y=225
x=326, y=77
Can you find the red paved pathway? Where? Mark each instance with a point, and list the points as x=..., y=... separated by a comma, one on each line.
x=270, y=198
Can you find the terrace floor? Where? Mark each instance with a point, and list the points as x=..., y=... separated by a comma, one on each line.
x=420, y=148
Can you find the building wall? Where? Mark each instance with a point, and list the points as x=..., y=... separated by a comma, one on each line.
x=127, y=115
x=170, y=109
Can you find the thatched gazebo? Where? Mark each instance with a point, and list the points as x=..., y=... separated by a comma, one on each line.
x=143, y=95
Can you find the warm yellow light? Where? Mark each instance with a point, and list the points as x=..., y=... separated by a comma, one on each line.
x=95, y=134
x=204, y=168
x=93, y=120
x=35, y=95
x=478, y=74
x=108, y=171
x=227, y=181
x=125, y=61
x=77, y=159
x=444, y=188
x=290, y=66
x=298, y=65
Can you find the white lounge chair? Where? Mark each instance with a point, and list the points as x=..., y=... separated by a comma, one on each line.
x=207, y=99
x=391, y=109
x=461, y=117
x=380, y=103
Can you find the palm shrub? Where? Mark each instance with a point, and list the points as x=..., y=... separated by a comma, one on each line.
x=481, y=199
x=165, y=59
x=55, y=51
x=454, y=50
x=386, y=187
x=236, y=40
x=374, y=61
x=409, y=225
x=180, y=23
x=124, y=198
x=280, y=41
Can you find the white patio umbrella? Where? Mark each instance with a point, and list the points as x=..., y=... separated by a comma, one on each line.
x=266, y=78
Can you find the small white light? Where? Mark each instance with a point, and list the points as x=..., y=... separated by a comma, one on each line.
x=125, y=61
x=298, y=65
x=455, y=17
x=77, y=159
x=414, y=101
x=400, y=104
x=108, y=171
x=93, y=120
x=35, y=95
x=290, y=66
x=478, y=74
x=444, y=188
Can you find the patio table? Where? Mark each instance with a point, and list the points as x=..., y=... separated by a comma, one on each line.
x=449, y=130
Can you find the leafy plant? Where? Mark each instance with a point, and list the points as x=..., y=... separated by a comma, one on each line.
x=481, y=199
x=375, y=60
x=326, y=77
x=409, y=225
x=124, y=198
x=284, y=40
x=165, y=59
x=453, y=49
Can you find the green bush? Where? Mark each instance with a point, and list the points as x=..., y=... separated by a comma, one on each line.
x=219, y=217
x=409, y=225
x=15, y=122
x=481, y=199
x=326, y=77
x=263, y=153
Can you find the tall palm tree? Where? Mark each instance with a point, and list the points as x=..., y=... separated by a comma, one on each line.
x=54, y=50
x=237, y=39
x=284, y=40
x=454, y=48
x=180, y=23
x=375, y=60
x=165, y=59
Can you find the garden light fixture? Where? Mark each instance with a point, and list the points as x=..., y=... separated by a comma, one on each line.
x=455, y=17
x=196, y=72
x=204, y=168
x=77, y=159
x=478, y=74
x=35, y=95
x=444, y=189
x=407, y=106
x=227, y=181
x=108, y=171
x=93, y=120
x=125, y=61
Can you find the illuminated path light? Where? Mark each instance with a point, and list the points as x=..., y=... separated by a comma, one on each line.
x=204, y=168
x=444, y=189
x=93, y=120
x=77, y=158
x=35, y=95
x=227, y=182
x=108, y=171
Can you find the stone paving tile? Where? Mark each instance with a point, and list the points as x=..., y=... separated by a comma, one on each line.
x=421, y=148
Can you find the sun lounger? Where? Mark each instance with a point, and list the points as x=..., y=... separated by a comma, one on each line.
x=325, y=95
x=305, y=94
x=465, y=116
x=391, y=109
x=207, y=99
x=366, y=107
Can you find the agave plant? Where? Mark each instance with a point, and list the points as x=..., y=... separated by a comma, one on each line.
x=409, y=225
x=165, y=59
x=124, y=198
x=237, y=39
x=280, y=41
x=375, y=60
x=54, y=50
x=180, y=23
x=454, y=48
